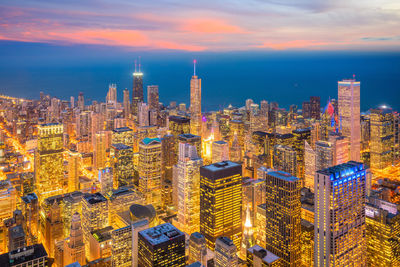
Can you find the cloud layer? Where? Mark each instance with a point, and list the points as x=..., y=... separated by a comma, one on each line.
x=206, y=25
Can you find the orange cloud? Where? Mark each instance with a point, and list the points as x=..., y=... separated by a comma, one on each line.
x=292, y=44
x=210, y=26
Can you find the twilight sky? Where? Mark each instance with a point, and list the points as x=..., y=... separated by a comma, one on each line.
x=206, y=25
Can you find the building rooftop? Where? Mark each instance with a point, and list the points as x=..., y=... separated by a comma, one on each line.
x=179, y=119
x=103, y=234
x=188, y=136
x=122, y=129
x=28, y=198
x=94, y=198
x=264, y=254
x=221, y=142
x=227, y=241
x=120, y=146
x=342, y=170
x=303, y=130
x=283, y=175
x=161, y=233
x=148, y=141
x=221, y=169
x=23, y=255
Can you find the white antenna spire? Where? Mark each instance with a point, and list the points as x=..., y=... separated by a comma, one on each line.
x=194, y=67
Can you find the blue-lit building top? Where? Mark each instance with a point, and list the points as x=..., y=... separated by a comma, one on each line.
x=344, y=172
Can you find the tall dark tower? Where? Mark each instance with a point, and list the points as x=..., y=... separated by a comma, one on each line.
x=137, y=94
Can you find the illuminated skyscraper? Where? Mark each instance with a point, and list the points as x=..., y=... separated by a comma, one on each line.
x=111, y=98
x=195, y=104
x=94, y=216
x=30, y=211
x=121, y=247
x=74, y=248
x=99, y=150
x=220, y=151
x=127, y=104
x=349, y=114
x=33, y=256
x=197, y=249
x=382, y=233
x=382, y=138
x=225, y=253
x=187, y=172
x=221, y=202
x=323, y=155
x=8, y=202
x=235, y=151
x=81, y=101
x=285, y=159
x=260, y=225
x=137, y=93
x=74, y=164
x=161, y=246
x=49, y=169
x=340, y=146
x=340, y=215
x=190, y=139
x=122, y=162
x=178, y=125
x=123, y=135
x=309, y=166
x=300, y=137
x=150, y=170
x=119, y=201
x=152, y=98
x=136, y=228
x=283, y=214
x=106, y=180
x=168, y=154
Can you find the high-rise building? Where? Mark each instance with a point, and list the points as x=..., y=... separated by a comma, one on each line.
x=197, y=249
x=94, y=216
x=195, y=104
x=74, y=164
x=382, y=233
x=111, y=98
x=284, y=159
x=33, y=256
x=162, y=245
x=150, y=170
x=187, y=180
x=121, y=247
x=49, y=170
x=349, y=115
x=323, y=155
x=81, y=101
x=137, y=92
x=382, y=138
x=30, y=211
x=168, y=155
x=220, y=151
x=136, y=228
x=300, y=137
x=122, y=161
x=309, y=166
x=340, y=215
x=221, y=202
x=283, y=216
x=178, y=125
x=340, y=146
x=119, y=201
x=190, y=139
x=225, y=253
x=152, y=98
x=260, y=225
x=99, y=150
x=315, y=102
x=106, y=180
x=127, y=104
x=123, y=135
x=253, y=195
x=235, y=151
x=74, y=248
x=259, y=257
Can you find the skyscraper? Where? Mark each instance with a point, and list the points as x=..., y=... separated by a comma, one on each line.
x=74, y=248
x=340, y=215
x=284, y=159
x=349, y=114
x=187, y=172
x=150, y=170
x=225, y=253
x=309, y=166
x=74, y=164
x=137, y=92
x=111, y=98
x=122, y=162
x=127, y=104
x=323, y=155
x=152, y=98
x=49, y=169
x=382, y=138
x=220, y=151
x=221, y=202
x=195, y=104
x=283, y=217
x=162, y=246
x=99, y=150
x=197, y=249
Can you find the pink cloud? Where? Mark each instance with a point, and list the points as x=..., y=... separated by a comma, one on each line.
x=292, y=44
x=210, y=26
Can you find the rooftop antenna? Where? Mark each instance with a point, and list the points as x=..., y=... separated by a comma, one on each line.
x=139, y=64
x=135, y=64
x=354, y=76
x=194, y=67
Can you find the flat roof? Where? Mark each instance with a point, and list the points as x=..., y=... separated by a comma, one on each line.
x=221, y=169
x=283, y=176
x=266, y=256
x=94, y=198
x=122, y=129
x=342, y=170
x=120, y=146
x=161, y=233
x=22, y=255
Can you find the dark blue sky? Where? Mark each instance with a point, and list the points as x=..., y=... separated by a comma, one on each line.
x=227, y=77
